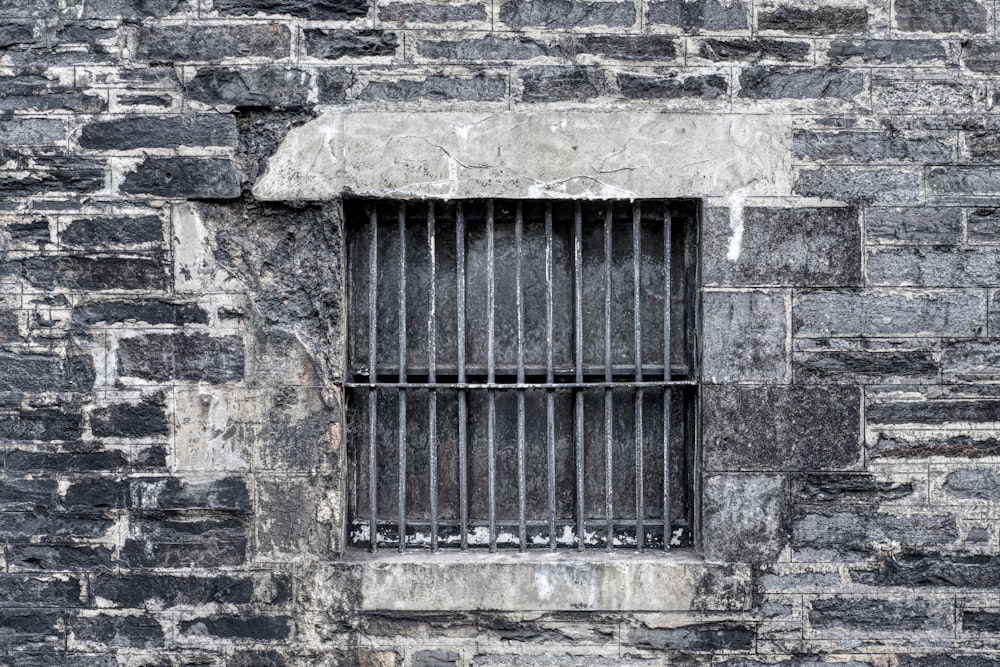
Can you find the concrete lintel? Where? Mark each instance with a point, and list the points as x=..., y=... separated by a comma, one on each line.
x=546, y=154
x=546, y=582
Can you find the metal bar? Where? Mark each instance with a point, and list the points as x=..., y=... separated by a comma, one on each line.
x=491, y=403
x=578, y=336
x=472, y=386
x=550, y=417
x=463, y=410
x=667, y=290
x=402, y=377
x=617, y=370
x=640, y=507
x=522, y=531
x=372, y=373
x=432, y=447
x=608, y=399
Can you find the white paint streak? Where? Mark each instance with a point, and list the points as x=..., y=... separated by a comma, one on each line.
x=735, y=201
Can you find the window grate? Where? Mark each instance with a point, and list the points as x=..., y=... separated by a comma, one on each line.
x=537, y=358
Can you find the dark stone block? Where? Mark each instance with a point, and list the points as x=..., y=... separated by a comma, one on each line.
x=185, y=542
x=869, y=362
x=958, y=660
x=480, y=86
x=113, y=231
x=638, y=86
x=127, y=420
x=50, y=181
x=942, y=16
x=15, y=34
x=715, y=636
x=550, y=84
x=95, y=494
x=627, y=47
x=760, y=83
x=838, y=532
x=30, y=91
x=83, y=34
x=932, y=410
x=172, y=43
x=741, y=48
x=93, y=273
x=554, y=14
x=27, y=494
x=981, y=620
x=744, y=336
x=984, y=225
x=150, y=100
x=29, y=622
x=228, y=494
x=780, y=246
x=981, y=57
x=33, y=373
x=868, y=147
x=32, y=131
x=973, y=483
x=436, y=658
x=886, y=51
x=191, y=357
x=918, y=224
x=867, y=615
x=65, y=461
x=35, y=232
x=924, y=446
x=18, y=590
x=270, y=86
x=21, y=527
x=45, y=424
x=867, y=313
x=744, y=517
x=309, y=9
x=963, y=180
x=149, y=132
x=781, y=427
x=484, y=48
x=332, y=44
x=184, y=177
x=261, y=628
x=699, y=14
x=934, y=267
x=852, y=184
x=119, y=631
x=421, y=12
x=918, y=571
x=142, y=590
x=49, y=558
x=814, y=20
x=845, y=488
x=150, y=312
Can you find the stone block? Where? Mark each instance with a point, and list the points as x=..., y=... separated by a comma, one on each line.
x=892, y=95
x=117, y=630
x=42, y=424
x=59, y=558
x=184, y=542
x=295, y=516
x=203, y=43
x=555, y=14
x=638, y=48
x=961, y=16
x=971, y=361
x=144, y=419
x=489, y=47
x=673, y=86
x=782, y=246
x=712, y=636
x=184, y=178
x=847, y=489
x=431, y=13
x=781, y=428
x=824, y=533
x=333, y=10
x=889, y=313
x=94, y=494
x=933, y=267
x=754, y=50
x=74, y=457
x=856, y=147
x=333, y=44
x=153, y=311
x=744, y=517
x=963, y=180
x=269, y=86
x=31, y=131
x=69, y=179
x=151, y=132
x=699, y=14
x=919, y=571
x=92, y=273
x=866, y=361
x=27, y=494
x=981, y=57
x=552, y=83
x=933, y=405
x=190, y=357
x=981, y=620
x=98, y=231
x=923, y=444
x=981, y=146
x=815, y=20
x=223, y=494
x=39, y=591
x=888, y=51
x=33, y=373
x=744, y=337
x=26, y=91
x=142, y=590
x=761, y=83
x=469, y=86
x=858, y=615
x=924, y=225
x=259, y=628
x=860, y=184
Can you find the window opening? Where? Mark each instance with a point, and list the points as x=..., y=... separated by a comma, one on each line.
x=521, y=373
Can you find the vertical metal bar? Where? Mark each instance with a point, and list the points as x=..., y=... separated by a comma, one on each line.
x=372, y=376
x=550, y=417
x=402, y=377
x=667, y=375
x=491, y=422
x=640, y=507
x=432, y=447
x=578, y=331
x=608, y=400
x=463, y=410
x=522, y=531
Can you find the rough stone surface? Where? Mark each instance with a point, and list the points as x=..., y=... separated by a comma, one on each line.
x=745, y=335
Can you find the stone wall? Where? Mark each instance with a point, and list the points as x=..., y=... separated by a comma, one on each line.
x=171, y=345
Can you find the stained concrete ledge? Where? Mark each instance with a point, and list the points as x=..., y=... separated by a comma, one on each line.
x=541, y=582
x=613, y=155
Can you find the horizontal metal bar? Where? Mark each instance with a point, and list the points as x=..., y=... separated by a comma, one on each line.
x=617, y=369
x=519, y=385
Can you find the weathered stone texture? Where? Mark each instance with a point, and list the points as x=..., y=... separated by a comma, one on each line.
x=745, y=335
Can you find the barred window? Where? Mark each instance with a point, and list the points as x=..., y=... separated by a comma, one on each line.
x=521, y=374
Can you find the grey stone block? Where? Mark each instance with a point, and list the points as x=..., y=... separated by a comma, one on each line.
x=981, y=57
x=873, y=616
x=760, y=83
x=887, y=51
x=269, y=86
x=866, y=361
x=971, y=361
x=896, y=312
x=783, y=246
x=184, y=178
x=824, y=533
x=981, y=146
x=333, y=44
x=489, y=47
x=205, y=43
x=566, y=13
x=552, y=84
x=918, y=571
x=939, y=95
x=639, y=86
x=790, y=427
x=191, y=357
x=431, y=12
x=743, y=517
x=994, y=311
x=31, y=131
x=639, y=48
x=695, y=637
x=853, y=184
x=814, y=20
x=744, y=337
x=932, y=267
x=869, y=147
x=926, y=225
x=699, y=14
x=754, y=50
x=846, y=489
x=308, y=9
x=481, y=86
x=970, y=16
x=921, y=445
x=935, y=405
x=89, y=232
x=151, y=132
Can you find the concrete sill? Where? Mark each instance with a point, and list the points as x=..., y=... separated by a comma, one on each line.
x=618, y=582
